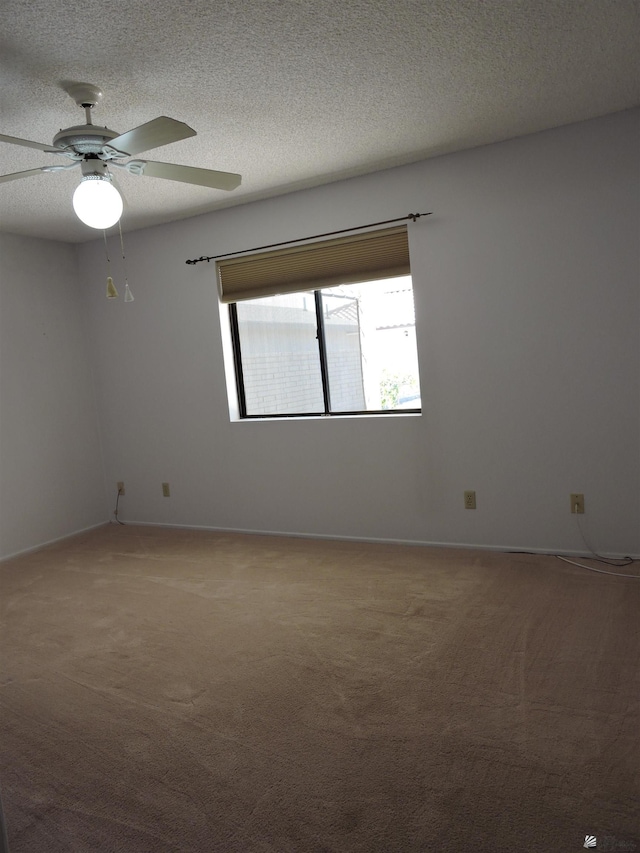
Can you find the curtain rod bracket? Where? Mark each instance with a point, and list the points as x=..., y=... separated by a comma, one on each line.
x=411, y=216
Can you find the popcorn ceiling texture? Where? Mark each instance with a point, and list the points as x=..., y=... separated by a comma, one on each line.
x=293, y=94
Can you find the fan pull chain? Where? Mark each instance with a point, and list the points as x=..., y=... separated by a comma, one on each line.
x=128, y=296
x=112, y=293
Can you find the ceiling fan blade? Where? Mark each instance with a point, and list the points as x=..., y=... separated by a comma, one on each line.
x=192, y=175
x=153, y=134
x=15, y=176
x=13, y=140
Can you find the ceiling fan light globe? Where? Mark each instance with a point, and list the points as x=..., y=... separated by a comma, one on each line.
x=97, y=202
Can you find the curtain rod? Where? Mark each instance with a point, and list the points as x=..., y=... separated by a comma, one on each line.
x=412, y=216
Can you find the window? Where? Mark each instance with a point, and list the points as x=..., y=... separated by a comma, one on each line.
x=341, y=348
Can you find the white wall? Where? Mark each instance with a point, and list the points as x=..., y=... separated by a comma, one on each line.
x=527, y=293
x=51, y=475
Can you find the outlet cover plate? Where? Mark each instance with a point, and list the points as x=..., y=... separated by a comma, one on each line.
x=577, y=503
x=470, y=500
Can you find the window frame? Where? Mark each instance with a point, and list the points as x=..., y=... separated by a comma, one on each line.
x=324, y=375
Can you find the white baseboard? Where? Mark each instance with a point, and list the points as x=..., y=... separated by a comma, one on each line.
x=42, y=545
x=514, y=549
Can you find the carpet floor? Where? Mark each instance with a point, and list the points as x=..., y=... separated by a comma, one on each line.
x=170, y=690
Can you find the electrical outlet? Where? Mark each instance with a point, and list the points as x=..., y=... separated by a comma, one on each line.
x=577, y=503
x=165, y=490
x=470, y=500
x=120, y=487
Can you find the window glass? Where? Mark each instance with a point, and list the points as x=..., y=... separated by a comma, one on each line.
x=370, y=333
x=280, y=356
x=344, y=349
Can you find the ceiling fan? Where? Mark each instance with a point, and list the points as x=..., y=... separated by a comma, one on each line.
x=96, y=200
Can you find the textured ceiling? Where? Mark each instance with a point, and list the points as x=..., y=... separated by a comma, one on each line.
x=292, y=93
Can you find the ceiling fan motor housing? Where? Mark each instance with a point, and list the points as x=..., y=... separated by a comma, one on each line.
x=84, y=138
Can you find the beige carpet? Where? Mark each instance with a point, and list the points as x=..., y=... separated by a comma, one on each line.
x=165, y=690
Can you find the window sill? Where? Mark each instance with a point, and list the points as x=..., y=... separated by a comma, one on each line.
x=341, y=417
